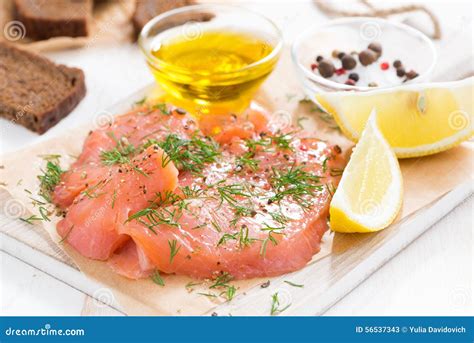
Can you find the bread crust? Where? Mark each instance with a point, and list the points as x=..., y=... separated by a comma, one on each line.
x=51, y=22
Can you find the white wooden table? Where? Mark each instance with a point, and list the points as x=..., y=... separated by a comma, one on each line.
x=433, y=276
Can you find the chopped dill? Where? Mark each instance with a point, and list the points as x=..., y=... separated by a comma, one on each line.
x=189, y=286
x=162, y=107
x=293, y=284
x=283, y=140
x=156, y=278
x=263, y=248
x=140, y=102
x=114, y=197
x=50, y=178
x=247, y=160
x=67, y=234
x=325, y=164
x=156, y=217
x=296, y=183
x=44, y=213
x=209, y=295
x=30, y=220
x=241, y=236
x=227, y=237
x=189, y=154
x=173, y=250
x=276, y=305
x=222, y=282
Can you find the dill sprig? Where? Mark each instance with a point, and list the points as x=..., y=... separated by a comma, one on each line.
x=161, y=211
x=160, y=216
x=189, y=154
x=156, y=278
x=276, y=305
x=296, y=183
x=222, y=282
x=241, y=236
x=247, y=160
x=121, y=154
x=263, y=248
x=237, y=196
x=293, y=284
x=30, y=220
x=173, y=249
x=118, y=155
x=283, y=140
x=50, y=178
x=162, y=107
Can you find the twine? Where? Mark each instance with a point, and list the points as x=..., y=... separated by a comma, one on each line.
x=372, y=11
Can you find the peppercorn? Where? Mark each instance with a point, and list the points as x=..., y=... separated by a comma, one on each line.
x=350, y=82
x=397, y=64
x=314, y=66
x=326, y=68
x=411, y=74
x=335, y=53
x=400, y=71
x=384, y=66
x=354, y=76
x=341, y=55
x=340, y=71
x=376, y=47
x=348, y=62
x=367, y=57
x=319, y=58
x=372, y=84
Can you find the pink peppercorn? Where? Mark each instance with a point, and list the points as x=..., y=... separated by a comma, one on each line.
x=350, y=82
x=340, y=71
x=384, y=65
x=314, y=66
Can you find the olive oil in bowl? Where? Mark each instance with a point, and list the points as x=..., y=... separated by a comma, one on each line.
x=218, y=67
x=216, y=71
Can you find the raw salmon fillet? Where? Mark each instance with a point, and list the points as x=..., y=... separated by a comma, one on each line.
x=156, y=190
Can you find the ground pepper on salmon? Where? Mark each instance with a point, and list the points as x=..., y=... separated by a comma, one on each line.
x=157, y=191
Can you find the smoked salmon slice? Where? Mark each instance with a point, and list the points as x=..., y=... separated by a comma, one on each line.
x=156, y=190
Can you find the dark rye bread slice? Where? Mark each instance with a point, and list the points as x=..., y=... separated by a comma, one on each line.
x=35, y=92
x=145, y=10
x=44, y=19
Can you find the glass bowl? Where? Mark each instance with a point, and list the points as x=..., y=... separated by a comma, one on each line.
x=207, y=72
x=399, y=41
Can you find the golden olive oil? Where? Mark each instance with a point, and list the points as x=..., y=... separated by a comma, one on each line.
x=214, y=71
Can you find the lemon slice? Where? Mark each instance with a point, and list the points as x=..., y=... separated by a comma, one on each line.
x=369, y=195
x=416, y=120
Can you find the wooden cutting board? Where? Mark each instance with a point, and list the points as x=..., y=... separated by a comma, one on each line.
x=433, y=186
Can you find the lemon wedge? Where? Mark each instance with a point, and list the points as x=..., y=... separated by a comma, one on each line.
x=369, y=195
x=416, y=120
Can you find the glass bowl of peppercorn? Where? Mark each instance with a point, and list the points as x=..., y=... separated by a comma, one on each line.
x=360, y=54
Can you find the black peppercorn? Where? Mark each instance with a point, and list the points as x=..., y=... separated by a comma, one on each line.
x=354, y=76
x=341, y=55
x=400, y=71
x=367, y=57
x=411, y=74
x=376, y=47
x=326, y=69
x=397, y=64
x=348, y=62
x=319, y=58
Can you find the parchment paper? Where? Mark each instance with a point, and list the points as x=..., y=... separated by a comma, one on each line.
x=425, y=180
